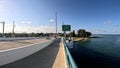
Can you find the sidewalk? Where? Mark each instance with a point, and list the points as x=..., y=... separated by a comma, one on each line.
x=60, y=59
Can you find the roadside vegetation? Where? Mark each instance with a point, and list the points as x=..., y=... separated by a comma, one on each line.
x=81, y=34
x=28, y=34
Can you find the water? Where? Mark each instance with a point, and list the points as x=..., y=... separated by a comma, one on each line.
x=98, y=52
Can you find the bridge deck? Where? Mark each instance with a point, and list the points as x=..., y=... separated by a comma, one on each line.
x=45, y=58
x=9, y=44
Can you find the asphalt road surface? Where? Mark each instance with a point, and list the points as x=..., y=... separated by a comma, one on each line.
x=42, y=59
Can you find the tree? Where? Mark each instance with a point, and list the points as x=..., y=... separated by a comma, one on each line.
x=74, y=35
x=83, y=33
x=88, y=34
x=71, y=34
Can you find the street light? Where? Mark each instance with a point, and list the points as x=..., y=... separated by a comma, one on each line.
x=3, y=27
x=56, y=23
x=13, y=33
x=55, y=20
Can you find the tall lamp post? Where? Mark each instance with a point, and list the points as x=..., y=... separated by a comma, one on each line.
x=56, y=23
x=3, y=27
x=13, y=33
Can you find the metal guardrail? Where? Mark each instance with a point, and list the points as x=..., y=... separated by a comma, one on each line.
x=69, y=59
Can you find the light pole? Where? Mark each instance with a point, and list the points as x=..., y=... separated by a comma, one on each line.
x=13, y=33
x=56, y=23
x=3, y=27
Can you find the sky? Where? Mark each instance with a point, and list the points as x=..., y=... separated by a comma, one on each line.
x=96, y=16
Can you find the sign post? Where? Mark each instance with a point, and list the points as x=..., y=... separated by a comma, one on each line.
x=66, y=28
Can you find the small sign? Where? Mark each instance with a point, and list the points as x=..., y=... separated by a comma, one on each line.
x=66, y=28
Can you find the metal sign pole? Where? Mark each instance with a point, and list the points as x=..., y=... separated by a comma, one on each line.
x=65, y=34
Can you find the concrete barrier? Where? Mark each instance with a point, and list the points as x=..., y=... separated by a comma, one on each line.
x=11, y=55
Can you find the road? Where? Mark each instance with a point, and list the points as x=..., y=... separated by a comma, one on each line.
x=42, y=59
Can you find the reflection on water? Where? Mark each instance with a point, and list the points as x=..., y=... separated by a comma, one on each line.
x=98, y=52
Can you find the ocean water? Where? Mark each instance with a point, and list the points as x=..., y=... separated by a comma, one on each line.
x=98, y=52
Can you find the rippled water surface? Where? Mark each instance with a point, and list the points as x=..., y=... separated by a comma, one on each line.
x=98, y=52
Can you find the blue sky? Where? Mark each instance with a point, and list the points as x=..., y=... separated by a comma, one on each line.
x=96, y=16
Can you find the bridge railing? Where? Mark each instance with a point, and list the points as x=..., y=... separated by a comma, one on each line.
x=69, y=59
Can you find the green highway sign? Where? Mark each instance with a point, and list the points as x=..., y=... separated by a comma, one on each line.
x=66, y=28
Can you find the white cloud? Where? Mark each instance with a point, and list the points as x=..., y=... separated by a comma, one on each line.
x=108, y=22
x=115, y=31
x=52, y=20
x=44, y=29
x=26, y=22
x=99, y=31
x=102, y=31
x=28, y=28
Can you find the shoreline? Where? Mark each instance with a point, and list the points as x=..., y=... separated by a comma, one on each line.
x=96, y=37
x=80, y=39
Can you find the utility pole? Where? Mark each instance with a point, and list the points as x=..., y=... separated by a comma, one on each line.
x=56, y=23
x=13, y=34
x=64, y=32
x=3, y=27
